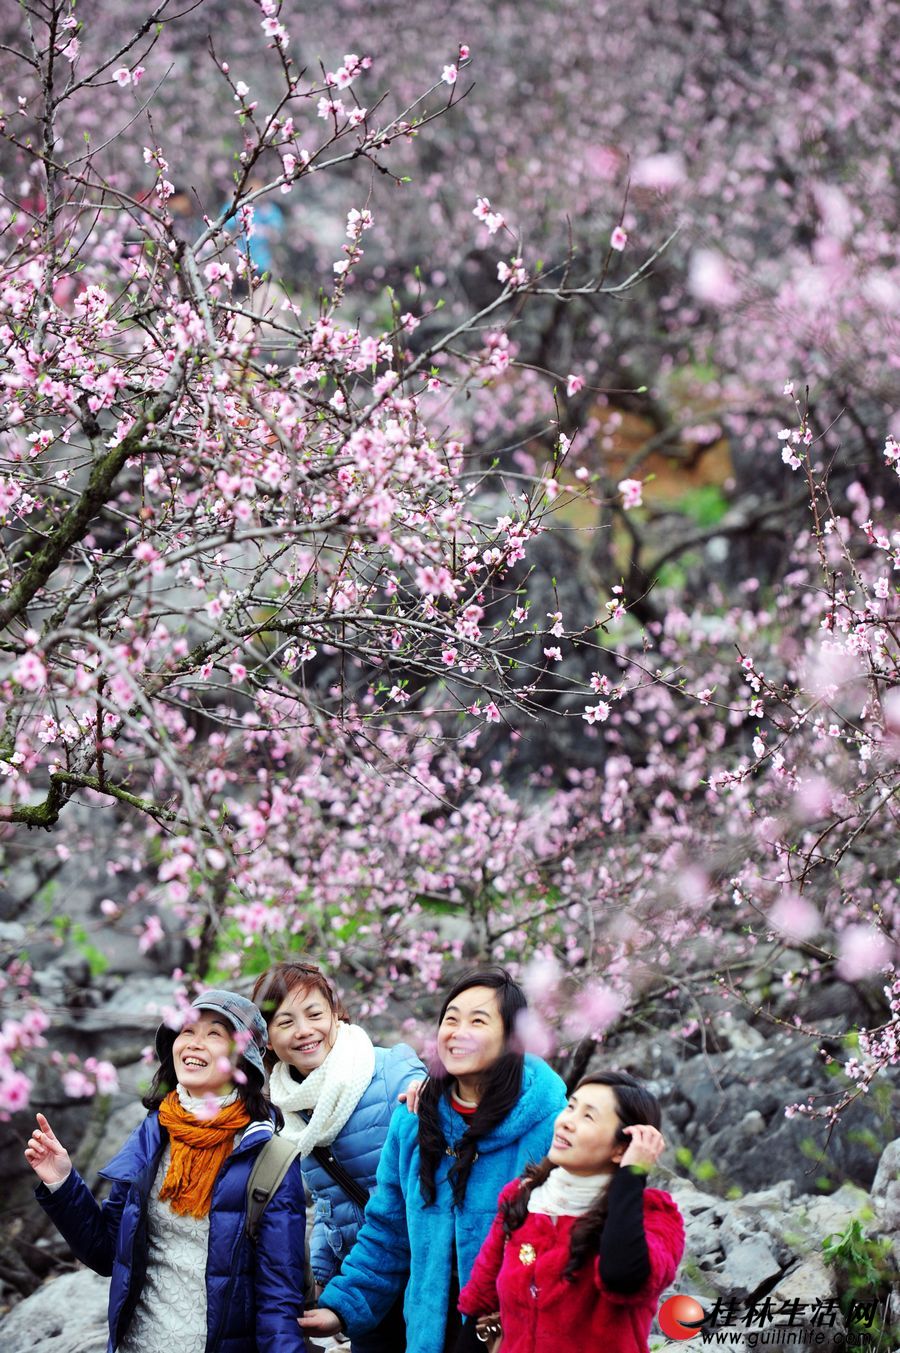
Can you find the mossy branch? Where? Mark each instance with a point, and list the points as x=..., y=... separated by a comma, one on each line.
x=46, y=814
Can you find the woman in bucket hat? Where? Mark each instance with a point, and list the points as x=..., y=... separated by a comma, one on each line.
x=172, y=1233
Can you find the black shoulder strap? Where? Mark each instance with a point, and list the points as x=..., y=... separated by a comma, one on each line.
x=353, y=1189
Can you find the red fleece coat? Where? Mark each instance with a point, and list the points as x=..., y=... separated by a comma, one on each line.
x=539, y=1309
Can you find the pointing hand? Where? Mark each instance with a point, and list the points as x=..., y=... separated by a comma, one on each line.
x=46, y=1155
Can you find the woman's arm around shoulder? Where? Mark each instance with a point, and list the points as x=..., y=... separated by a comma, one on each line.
x=479, y=1296
x=280, y=1267
x=401, y=1067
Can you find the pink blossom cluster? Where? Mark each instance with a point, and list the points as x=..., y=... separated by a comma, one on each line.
x=17, y=1038
x=267, y=558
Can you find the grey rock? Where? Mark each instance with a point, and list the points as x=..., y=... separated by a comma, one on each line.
x=118, y=1126
x=806, y=1281
x=748, y=1265
x=735, y=1227
x=886, y=1188
x=778, y=1196
x=894, y=1310
x=766, y=1212
x=66, y=1315
x=709, y=1099
x=702, y=1219
x=823, y=1217
x=737, y=1035
x=137, y=1004
x=694, y=1201
x=705, y=1244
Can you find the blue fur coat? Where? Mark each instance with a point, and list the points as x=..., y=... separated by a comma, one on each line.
x=404, y=1243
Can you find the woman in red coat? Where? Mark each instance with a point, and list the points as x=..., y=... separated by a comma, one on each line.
x=580, y=1248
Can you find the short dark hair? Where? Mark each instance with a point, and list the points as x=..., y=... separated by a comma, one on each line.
x=274, y=986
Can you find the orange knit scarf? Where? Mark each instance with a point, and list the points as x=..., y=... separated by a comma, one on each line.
x=199, y=1149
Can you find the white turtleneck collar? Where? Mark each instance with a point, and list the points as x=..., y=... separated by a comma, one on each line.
x=567, y=1195
x=200, y=1107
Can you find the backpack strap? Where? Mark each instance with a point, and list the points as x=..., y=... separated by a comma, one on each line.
x=271, y=1165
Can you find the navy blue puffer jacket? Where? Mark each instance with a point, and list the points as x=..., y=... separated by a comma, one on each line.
x=254, y=1292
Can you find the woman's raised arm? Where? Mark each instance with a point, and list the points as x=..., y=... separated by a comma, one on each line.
x=46, y=1154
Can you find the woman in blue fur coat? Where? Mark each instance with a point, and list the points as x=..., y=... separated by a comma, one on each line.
x=487, y=1111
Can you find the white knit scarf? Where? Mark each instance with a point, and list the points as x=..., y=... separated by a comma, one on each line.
x=332, y=1091
x=567, y=1195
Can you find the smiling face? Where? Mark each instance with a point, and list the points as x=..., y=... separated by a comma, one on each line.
x=471, y=1036
x=303, y=1029
x=204, y=1054
x=584, y=1134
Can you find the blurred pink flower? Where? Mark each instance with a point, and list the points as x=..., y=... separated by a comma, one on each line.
x=15, y=1089
x=631, y=491
x=795, y=916
x=662, y=172
x=77, y=1085
x=710, y=278
x=863, y=952
x=533, y=1035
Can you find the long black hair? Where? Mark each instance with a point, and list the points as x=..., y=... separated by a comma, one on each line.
x=251, y=1095
x=502, y=1088
x=634, y=1104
